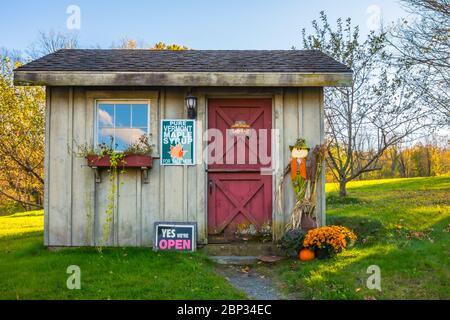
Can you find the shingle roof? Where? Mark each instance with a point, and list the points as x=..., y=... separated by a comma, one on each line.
x=122, y=60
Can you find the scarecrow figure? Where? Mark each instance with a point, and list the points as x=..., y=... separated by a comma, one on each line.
x=299, y=153
x=305, y=167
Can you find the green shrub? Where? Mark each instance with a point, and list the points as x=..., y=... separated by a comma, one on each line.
x=292, y=242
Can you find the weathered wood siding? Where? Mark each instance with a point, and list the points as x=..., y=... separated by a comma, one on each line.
x=75, y=205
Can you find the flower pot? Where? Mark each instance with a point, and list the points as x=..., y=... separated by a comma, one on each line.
x=322, y=253
x=128, y=161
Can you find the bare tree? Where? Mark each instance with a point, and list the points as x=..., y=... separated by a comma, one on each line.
x=376, y=112
x=52, y=41
x=422, y=45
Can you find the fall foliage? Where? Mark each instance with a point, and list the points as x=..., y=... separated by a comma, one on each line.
x=21, y=141
x=127, y=43
x=417, y=160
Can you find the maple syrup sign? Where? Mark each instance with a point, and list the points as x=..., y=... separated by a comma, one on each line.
x=175, y=236
x=177, y=142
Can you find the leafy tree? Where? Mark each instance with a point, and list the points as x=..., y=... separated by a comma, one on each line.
x=163, y=46
x=22, y=125
x=21, y=140
x=376, y=112
x=127, y=43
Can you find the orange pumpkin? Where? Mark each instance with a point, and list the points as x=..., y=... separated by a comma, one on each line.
x=306, y=255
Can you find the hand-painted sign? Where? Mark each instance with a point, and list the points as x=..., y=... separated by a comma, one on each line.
x=175, y=236
x=241, y=128
x=177, y=142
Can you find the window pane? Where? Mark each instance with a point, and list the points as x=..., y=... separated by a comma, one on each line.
x=120, y=144
x=123, y=115
x=106, y=135
x=121, y=124
x=126, y=136
x=105, y=115
x=140, y=115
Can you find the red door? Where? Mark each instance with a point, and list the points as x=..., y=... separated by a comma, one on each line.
x=239, y=196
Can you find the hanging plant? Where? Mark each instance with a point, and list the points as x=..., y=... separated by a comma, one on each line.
x=114, y=158
x=136, y=155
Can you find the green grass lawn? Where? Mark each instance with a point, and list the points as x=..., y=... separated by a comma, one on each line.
x=29, y=271
x=403, y=227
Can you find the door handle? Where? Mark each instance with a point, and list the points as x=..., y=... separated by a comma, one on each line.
x=210, y=186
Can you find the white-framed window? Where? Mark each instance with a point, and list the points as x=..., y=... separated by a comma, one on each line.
x=121, y=122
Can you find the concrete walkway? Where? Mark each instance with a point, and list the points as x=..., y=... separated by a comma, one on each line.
x=255, y=285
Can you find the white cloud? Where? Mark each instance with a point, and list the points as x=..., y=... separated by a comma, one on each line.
x=105, y=118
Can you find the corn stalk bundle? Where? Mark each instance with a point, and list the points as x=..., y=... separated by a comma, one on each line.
x=305, y=190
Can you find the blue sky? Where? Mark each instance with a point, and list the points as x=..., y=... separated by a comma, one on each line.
x=199, y=24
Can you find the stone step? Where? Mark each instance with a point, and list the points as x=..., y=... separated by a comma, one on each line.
x=242, y=249
x=234, y=260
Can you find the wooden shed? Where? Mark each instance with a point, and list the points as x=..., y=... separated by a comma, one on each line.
x=90, y=92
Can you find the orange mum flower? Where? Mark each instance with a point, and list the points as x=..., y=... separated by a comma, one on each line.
x=335, y=237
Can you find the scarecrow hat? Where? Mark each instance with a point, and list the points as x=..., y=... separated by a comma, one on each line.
x=299, y=144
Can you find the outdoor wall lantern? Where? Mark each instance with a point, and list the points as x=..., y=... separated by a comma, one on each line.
x=191, y=105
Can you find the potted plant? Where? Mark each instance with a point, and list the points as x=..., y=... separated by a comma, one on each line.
x=136, y=155
x=292, y=242
x=329, y=240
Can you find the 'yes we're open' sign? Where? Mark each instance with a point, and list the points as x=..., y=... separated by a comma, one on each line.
x=175, y=236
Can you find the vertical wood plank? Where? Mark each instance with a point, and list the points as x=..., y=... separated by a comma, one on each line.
x=311, y=107
x=59, y=192
x=300, y=116
x=278, y=159
x=290, y=135
x=174, y=191
x=151, y=205
x=150, y=193
x=322, y=181
x=138, y=199
x=313, y=131
x=201, y=214
x=90, y=184
x=127, y=208
x=48, y=112
x=162, y=172
x=105, y=233
x=70, y=164
x=82, y=176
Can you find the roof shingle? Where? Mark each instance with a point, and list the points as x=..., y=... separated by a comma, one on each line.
x=123, y=60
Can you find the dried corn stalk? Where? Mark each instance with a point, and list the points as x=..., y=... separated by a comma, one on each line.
x=305, y=190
